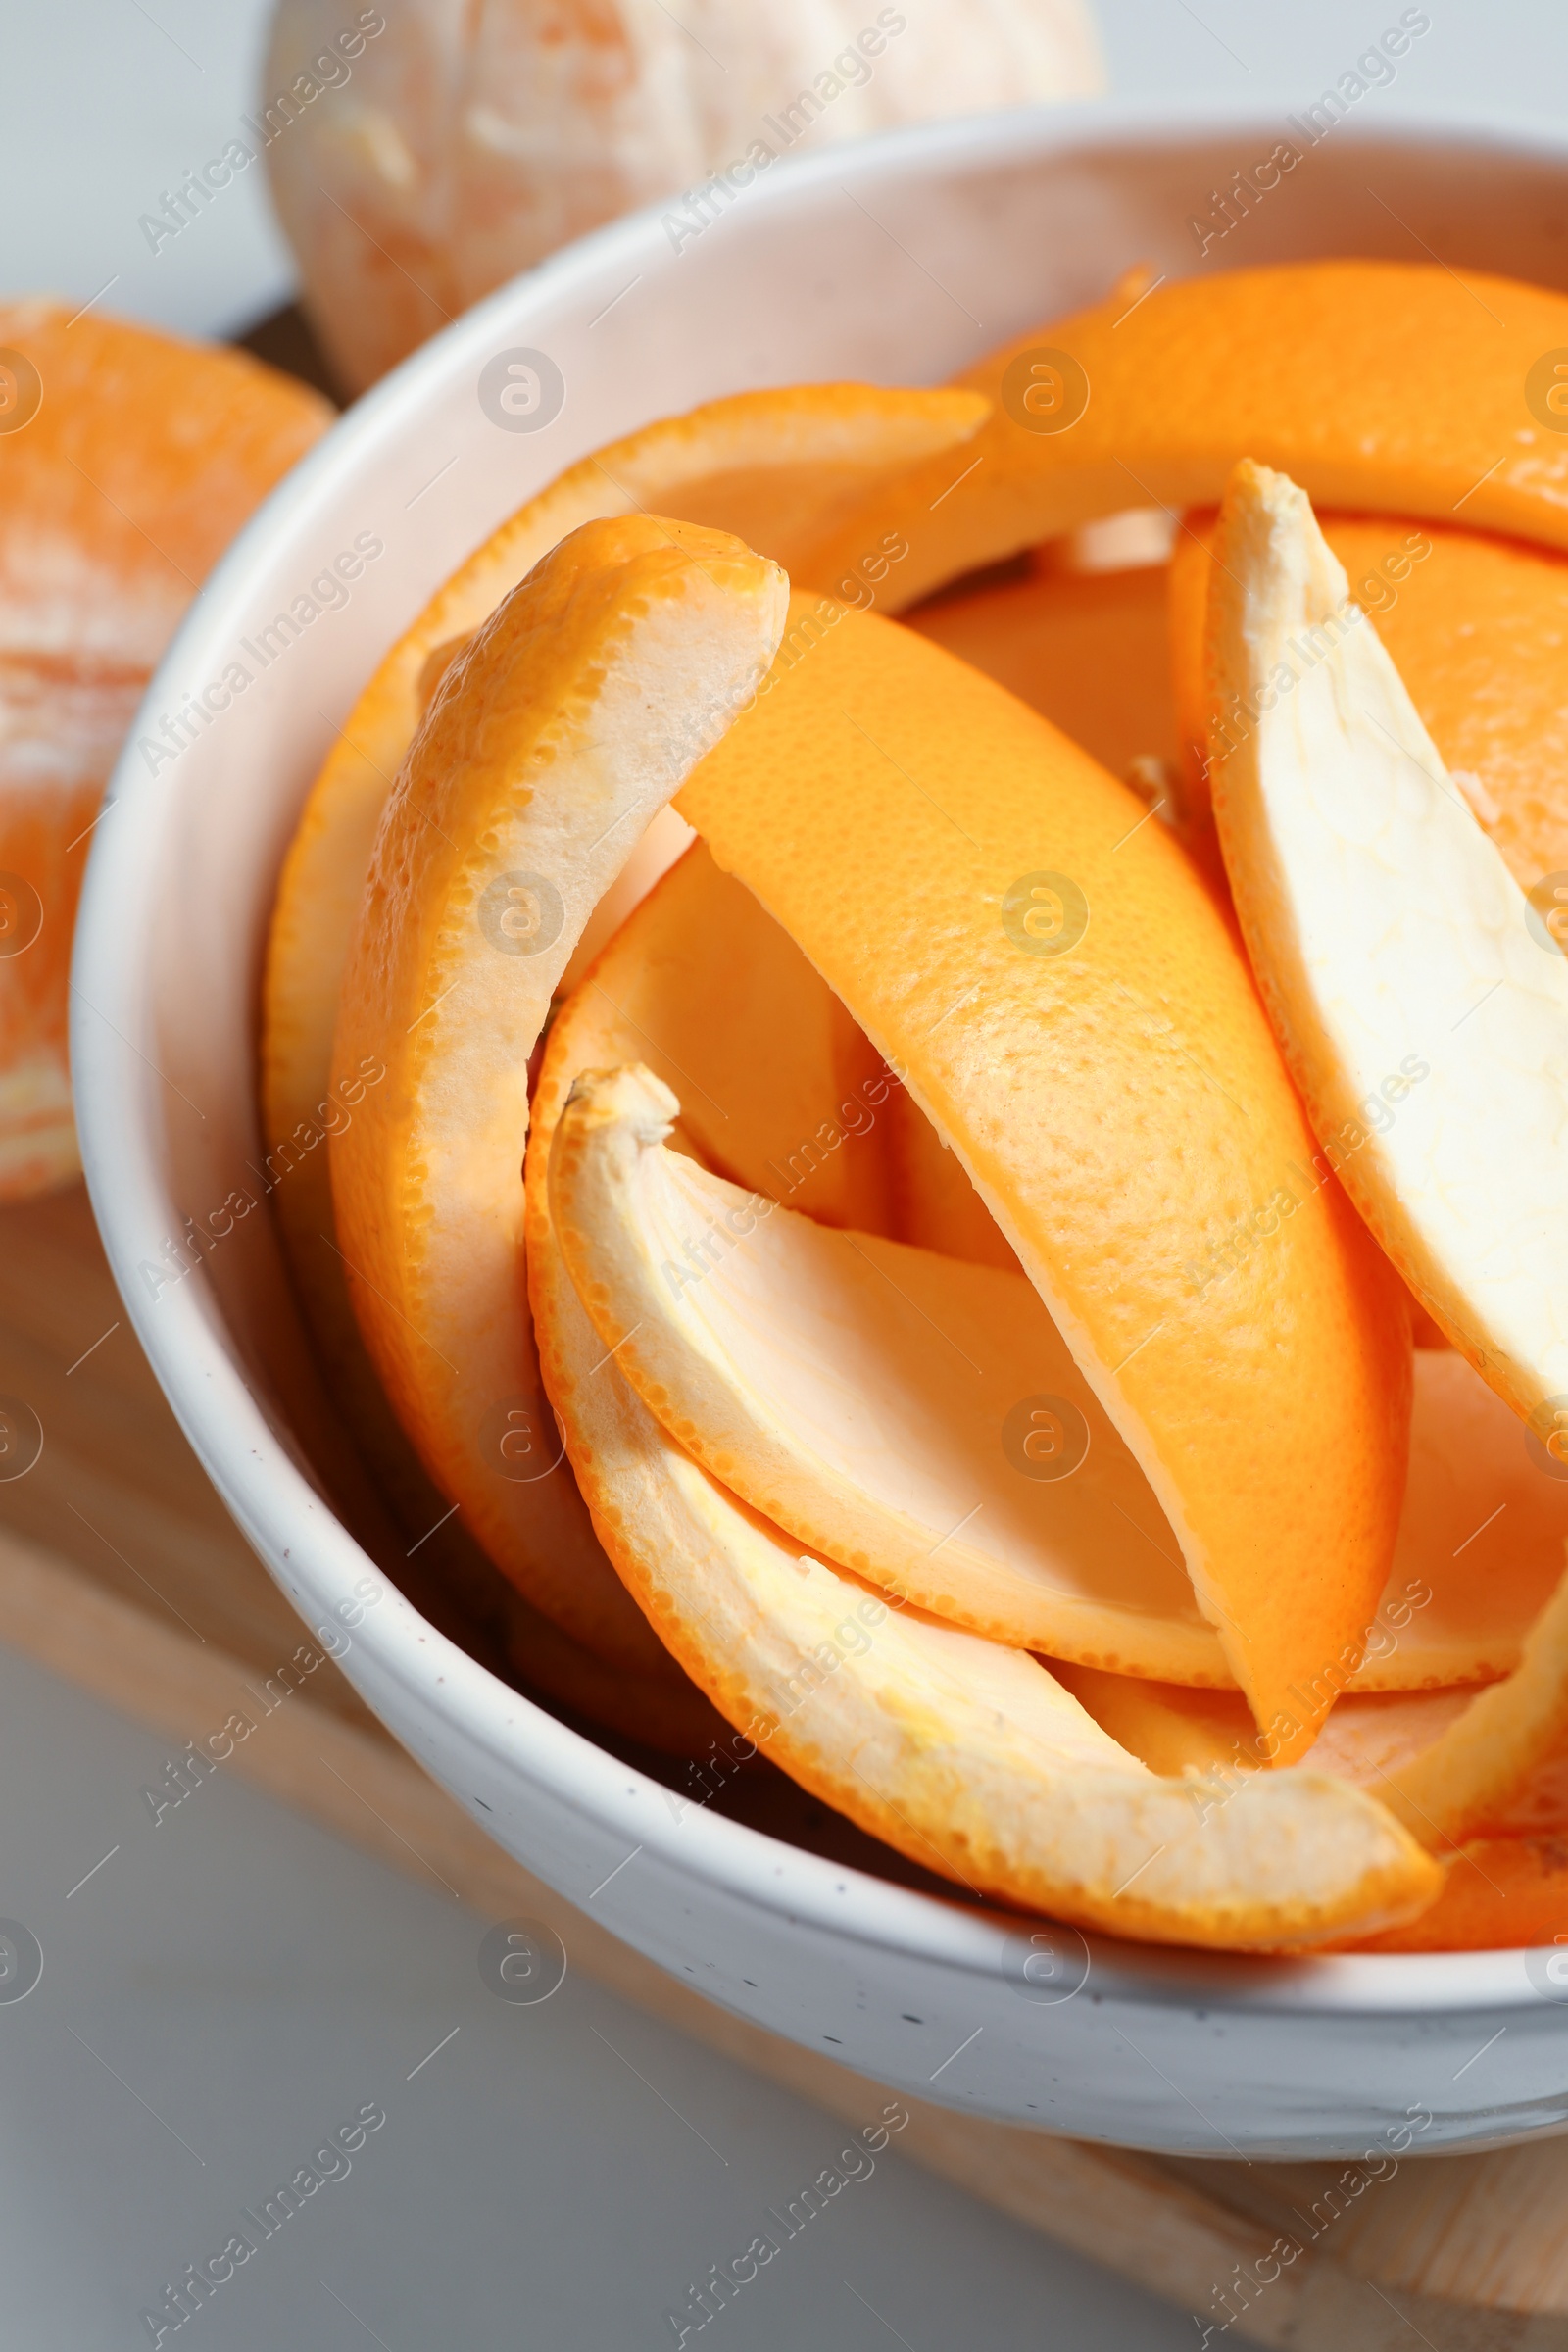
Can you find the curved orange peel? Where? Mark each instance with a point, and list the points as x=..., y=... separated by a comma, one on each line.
x=578, y=708
x=1475, y=626
x=1497, y=1893
x=875, y=1401
x=1376, y=385
x=1087, y=650
x=862, y=1395
x=699, y=976
x=1078, y=1023
x=961, y=1753
x=782, y=1093
x=1452, y=1765
x=1476, y=1775
x=764, y=465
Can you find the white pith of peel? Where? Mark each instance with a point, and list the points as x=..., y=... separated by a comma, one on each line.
x=965, y=1754
x=856, y=1391
x=1424, y=1023
x=1389, y=938
x=570, y=720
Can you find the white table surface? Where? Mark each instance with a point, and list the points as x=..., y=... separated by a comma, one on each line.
x=232, y=1983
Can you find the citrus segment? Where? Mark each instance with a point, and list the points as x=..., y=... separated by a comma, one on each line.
x=1475, y=626
x=1390, y=387
x=1424, y=1020
x=917, y=1419
x=575, y=713
x=1079, y=1024
x=756, y=464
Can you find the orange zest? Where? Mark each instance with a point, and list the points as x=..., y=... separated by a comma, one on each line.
x=928, y=843
x=1392, y=387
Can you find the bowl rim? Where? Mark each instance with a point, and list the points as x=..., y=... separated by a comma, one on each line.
x=119, y=1118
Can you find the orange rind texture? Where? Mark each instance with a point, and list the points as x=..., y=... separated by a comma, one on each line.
x=1453, y=1765
x=1117, y=1101
x=128, y=462
x=1376, y=385
x=918, y=1421
x=1478, y=1772
x=575, y=713
x=763, y=464
x=1497, y=1893
x=693, y=981
x=1087, y=1066
x=964, y=1755
x=1475, y=626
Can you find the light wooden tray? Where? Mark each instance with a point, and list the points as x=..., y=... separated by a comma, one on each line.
x=119, y=1569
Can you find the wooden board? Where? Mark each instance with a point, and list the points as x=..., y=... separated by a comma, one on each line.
x=119, y=1569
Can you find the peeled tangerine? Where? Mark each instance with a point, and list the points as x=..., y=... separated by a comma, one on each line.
x=575, y=714
x=438, y=151
x=1076, y=1020
x=128, y=462
x=965, y=1756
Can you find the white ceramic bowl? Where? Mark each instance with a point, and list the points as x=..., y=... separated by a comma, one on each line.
x=895, y=259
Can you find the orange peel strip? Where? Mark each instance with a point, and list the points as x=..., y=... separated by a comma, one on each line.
x=769, y=467
x=1087, y=650
x=575, y=713
x=1497, y=1893
x=1477, y=1771
x=963, y=1754
x=1452, y=1765
x=1425, y=1025
x=1078, y=1023
x=861, y=1394
x=764, y=465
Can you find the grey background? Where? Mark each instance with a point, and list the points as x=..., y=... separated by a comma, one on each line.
x=103, y=103
x=232, y=1983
